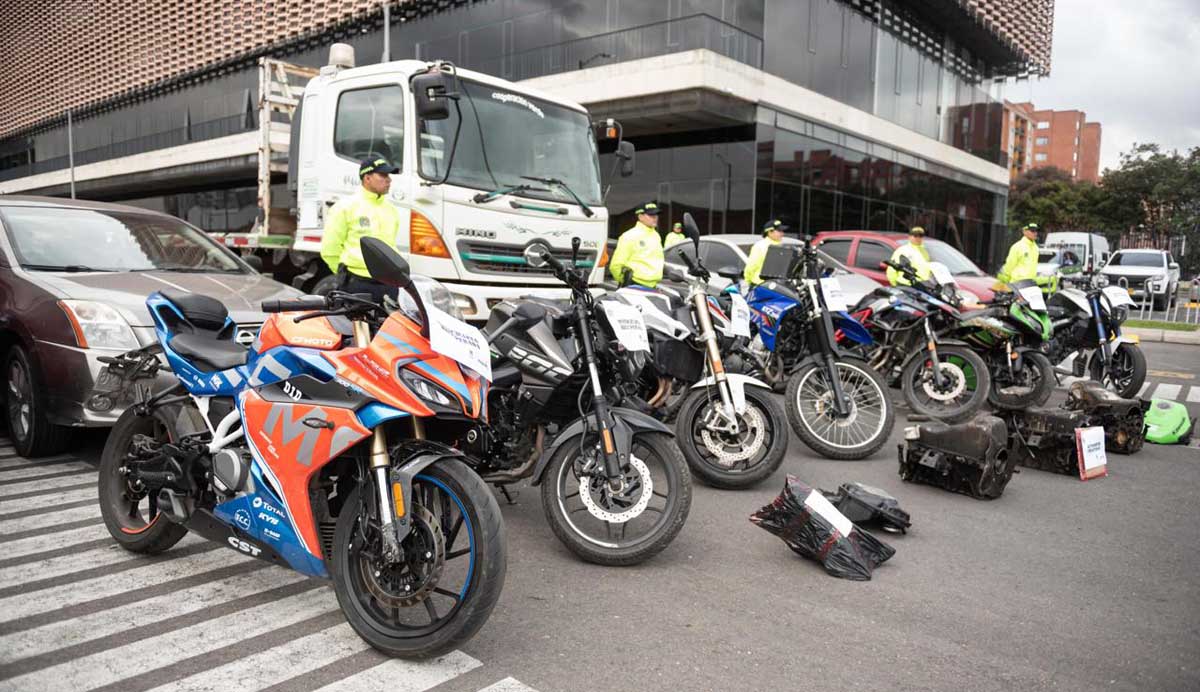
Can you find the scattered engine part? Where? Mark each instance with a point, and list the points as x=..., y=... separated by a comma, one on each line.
x=813, y=528
x=1044, y=438
x=970, y=458
x=865, y=504
x=1167, y=423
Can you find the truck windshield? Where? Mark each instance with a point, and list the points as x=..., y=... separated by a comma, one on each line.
x=505, y=136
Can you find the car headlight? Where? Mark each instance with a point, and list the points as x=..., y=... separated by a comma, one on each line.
x=428, y=391
x=98, y=325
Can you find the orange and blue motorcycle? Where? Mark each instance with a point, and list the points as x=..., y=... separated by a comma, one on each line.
x=309, y=450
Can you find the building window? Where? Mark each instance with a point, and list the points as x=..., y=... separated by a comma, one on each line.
x=1074, y=156
x=1077, y=140
x=1043, y=141
x=1043, y=124
x=370, y=122
x=1039, y=157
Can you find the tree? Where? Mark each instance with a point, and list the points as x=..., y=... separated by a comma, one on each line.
x=1049, y=198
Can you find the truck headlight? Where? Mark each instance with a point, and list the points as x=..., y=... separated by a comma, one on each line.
x=97, y=325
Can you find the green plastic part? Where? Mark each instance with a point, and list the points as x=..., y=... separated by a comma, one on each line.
x=1167, y=423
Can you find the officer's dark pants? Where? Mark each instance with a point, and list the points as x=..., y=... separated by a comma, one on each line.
x=360, y=284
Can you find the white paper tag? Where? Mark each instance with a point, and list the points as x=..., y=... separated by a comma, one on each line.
x=835, y=300
x=628, y=324
x=739, y=316
x=1091, y=445
x=941, y=274
x=1033, y=295
x=817, y=503
x=459, y=341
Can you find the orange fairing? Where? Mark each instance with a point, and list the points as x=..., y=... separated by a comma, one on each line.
x=295, y=451
x=399, y=342
x=282, y=330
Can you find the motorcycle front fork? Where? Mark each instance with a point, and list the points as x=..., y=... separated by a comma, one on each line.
x=708, y=335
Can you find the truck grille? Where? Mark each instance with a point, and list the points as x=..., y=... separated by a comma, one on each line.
x=494, y=258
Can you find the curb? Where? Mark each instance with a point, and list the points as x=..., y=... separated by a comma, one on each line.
x=1164, y=335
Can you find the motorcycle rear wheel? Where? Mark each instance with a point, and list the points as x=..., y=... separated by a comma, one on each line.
x=454, y=516
x=808, y=402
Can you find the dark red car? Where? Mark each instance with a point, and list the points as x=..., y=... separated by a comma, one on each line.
x=862, y=251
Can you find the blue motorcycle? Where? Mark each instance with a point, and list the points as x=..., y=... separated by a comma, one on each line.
x=837, y=404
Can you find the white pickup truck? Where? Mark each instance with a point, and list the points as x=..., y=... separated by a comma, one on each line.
x=486, y=168
x=1147, y=274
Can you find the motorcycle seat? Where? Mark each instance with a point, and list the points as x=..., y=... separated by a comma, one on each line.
x=208, y=352
x=201, y=311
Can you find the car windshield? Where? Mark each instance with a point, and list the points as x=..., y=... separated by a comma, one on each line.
x=955, y=261
x=55, y=239
x=505, y=136
x=825, y=258
x=1137, y=259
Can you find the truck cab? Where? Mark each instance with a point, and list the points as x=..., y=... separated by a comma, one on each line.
x=462, y=221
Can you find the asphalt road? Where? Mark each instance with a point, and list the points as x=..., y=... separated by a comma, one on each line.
x=1058, y=584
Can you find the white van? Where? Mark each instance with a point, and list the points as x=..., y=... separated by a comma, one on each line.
x=1071, y=252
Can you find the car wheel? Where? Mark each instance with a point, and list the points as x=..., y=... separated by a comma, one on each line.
x=33, y=435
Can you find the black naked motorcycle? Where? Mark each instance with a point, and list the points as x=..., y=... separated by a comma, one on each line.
x=1087, y=325
x=614, y=486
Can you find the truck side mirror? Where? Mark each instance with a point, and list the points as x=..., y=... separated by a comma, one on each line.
x=625, y=152
x=431, y=95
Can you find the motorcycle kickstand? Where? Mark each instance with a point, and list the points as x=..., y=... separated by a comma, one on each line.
x=509, y=498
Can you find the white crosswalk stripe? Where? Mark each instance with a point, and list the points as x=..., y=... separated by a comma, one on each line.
x=1142, y=391
x=1193, y=395
x=208, y=620
x=12, y=526
x=1167, y=391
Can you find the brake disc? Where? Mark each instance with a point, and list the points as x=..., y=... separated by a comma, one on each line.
x=409, y=581
x=955, y=373
x=602, y=502
x=745, y=444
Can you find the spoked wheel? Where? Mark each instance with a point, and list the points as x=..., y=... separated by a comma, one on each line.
x=625, y=524
x=1031, y=384
x=130, y=510
x=854, y=435
x=724, y=458
x=963, y=390
x=448, y=579
x=1127, y=373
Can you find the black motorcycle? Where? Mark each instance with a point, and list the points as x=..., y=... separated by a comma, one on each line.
x=614, y=486
x=1087, y=325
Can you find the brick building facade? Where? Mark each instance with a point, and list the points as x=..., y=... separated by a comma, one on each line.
x=1062, y=139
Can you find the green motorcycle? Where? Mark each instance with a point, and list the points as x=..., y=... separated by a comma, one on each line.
x=1010, y=334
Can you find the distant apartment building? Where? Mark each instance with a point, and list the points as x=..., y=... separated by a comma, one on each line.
x=1063, y=139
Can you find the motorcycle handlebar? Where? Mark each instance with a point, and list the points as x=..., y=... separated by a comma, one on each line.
x=295, y=304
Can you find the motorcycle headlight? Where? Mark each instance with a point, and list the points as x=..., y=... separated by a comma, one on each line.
x=98, y=325
x=1120, y=314
x=1101, y=281
x=429, y=392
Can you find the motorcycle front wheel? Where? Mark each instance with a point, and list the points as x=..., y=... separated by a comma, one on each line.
x=449, y=577
x=726, y=459
x=811, y=411
x=966, y=384
x=1031, y=384
x=625, y=525
x=1128, y=372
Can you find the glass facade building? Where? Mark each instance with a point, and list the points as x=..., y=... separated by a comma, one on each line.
x=733, y=165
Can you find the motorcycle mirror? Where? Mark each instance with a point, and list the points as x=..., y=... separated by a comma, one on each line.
x=384, y=264
x=690, y=229
x=729, y=272
x=535, y=254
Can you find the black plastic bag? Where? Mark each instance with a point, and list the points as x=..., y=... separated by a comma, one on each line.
x=814, y=528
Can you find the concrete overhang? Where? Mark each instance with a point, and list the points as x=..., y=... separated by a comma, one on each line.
x=723, y=91
x=196, y=165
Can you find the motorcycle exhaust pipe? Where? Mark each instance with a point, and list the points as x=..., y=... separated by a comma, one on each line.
x=661, y=394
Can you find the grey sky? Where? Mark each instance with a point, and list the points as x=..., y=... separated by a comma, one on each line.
x=1132, y=65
